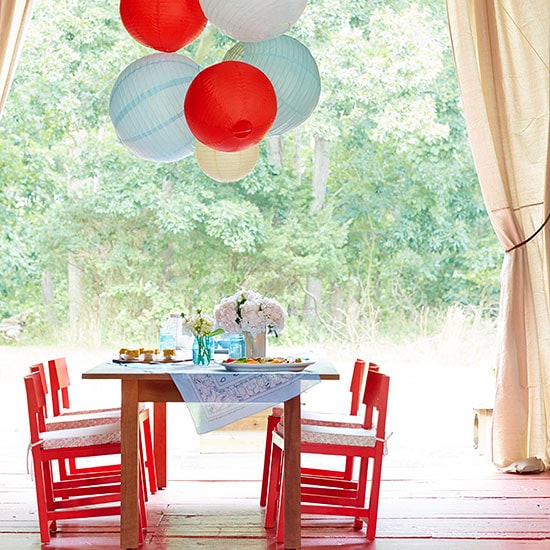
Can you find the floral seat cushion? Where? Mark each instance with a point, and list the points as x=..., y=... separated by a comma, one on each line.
x=81, y=437
x=82, y=419
x=324, y=419
x=330, y=435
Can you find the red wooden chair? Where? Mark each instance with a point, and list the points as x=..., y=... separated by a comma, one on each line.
x=325, y=495
x=59, y=385
x=80, y=497
x=321, y=418
x=80, y=419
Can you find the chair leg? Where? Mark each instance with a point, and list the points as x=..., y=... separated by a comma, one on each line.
x=280, y=535
x=272, y=422
x=63, y=468
x=41, y=499
x=149, y=455
x=142, y=480
x=273, y=487
x=142, y=508
x=362, y=491
x=348, y=471
x=374, y=496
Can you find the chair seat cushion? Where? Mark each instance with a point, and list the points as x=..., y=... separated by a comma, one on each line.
x=70, y=412
x=324, y=419
x=82, y=419
x=330, y=435
x=81, y=437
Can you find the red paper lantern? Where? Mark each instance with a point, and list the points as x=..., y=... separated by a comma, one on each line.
x=230, y=106
x=164, y=25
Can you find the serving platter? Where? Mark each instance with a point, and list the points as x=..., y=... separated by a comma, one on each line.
x=152, y=362
x=266, y=367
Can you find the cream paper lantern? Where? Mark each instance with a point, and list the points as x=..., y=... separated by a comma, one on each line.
x=253, y=20
x=223, y=166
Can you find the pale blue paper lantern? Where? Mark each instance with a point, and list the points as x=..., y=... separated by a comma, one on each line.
x=146, y=106
x=253, y=20
x=292, y=71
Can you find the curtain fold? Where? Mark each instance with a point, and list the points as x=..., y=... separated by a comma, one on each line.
x=501, y=50
x=14, y=18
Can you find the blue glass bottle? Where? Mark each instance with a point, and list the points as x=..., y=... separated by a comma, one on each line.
x=168, y=333
x=237, y=348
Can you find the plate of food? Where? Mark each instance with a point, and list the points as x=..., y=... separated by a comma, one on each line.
x=266, y=364
x=147, y=356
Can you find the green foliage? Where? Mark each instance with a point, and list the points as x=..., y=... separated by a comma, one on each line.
x=403, y=227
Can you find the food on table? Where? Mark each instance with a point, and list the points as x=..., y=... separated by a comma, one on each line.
x=168, y=354
x=129, y=354
x=148, y=355
x=263, y=360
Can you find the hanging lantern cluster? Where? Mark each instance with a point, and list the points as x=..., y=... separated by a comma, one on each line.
x=164, y=106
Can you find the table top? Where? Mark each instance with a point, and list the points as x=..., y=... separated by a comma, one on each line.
x=158, y=371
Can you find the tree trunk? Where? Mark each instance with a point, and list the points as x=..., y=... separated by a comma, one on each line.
x=313, y=297
x=167, y=255
x=320, y=174
x=275, y=153
x=48, y=298
x=319, y=183
x=75, y=294
x=298, y=154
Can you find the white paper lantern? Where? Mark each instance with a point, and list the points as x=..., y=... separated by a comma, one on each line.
x=292, y=71
x=253, y=20
x=146, y=106
x=225, y=167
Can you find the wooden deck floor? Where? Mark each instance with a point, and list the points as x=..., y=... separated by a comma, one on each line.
x=437, y=492
x=216, y=507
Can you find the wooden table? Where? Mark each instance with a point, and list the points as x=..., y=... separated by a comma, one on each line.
x=158, y=388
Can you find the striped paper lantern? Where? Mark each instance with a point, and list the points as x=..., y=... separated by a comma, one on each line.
x=146, y=106
x=226, y=167
x=230, y=106
x=292, y=71
x=253, y=20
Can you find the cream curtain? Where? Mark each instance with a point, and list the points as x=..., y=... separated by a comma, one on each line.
x=14, y=18
x=501, y=50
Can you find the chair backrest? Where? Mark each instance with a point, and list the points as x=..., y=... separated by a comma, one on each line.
x=36, y=405
x=375, y=400
x=357, y=383
x=59, y=384
x=39, y=368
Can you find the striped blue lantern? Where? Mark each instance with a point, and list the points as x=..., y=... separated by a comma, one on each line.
x=292, y=71
x=146, y=106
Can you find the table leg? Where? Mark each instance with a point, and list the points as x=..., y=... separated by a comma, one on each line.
x=293, y=436
x=129, y=513
x=159, y=430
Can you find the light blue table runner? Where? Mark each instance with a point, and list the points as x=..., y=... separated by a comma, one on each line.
x=216, y=398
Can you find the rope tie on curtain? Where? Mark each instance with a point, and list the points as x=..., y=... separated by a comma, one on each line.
x=524, y=242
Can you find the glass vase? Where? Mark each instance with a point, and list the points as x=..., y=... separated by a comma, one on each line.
x=255, y=344
x=237, y=347
x=203, y=350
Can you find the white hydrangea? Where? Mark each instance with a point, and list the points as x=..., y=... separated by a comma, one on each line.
x=252, y=318
x=226, y=315
x=249, y=311
x=274, y=315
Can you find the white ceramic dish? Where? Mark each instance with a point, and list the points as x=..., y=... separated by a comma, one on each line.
x=266, y=367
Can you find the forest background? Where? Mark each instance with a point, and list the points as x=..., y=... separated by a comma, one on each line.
x=366, y=222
